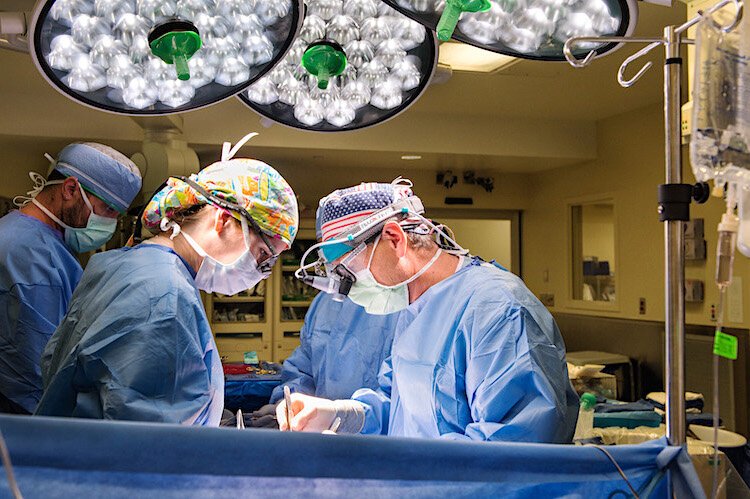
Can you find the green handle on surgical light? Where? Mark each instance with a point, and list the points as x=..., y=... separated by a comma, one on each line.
x=324, y=60
x=177, y=47
x=452, y=13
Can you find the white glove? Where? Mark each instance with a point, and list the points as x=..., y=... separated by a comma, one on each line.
x=315, y=414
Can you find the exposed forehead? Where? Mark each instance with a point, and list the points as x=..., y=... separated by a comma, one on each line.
x=277, y=245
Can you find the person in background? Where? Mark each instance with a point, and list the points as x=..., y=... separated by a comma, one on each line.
x=341, y=349
x=475, y=356
x=136, y=343
x=73, y=210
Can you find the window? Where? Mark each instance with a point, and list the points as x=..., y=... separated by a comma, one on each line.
x=593, y=252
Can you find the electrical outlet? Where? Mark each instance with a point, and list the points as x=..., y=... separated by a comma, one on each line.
x=642, y=306
x=547, y=299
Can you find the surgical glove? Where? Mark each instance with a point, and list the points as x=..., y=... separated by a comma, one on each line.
x=315, y=414
x=265, y=417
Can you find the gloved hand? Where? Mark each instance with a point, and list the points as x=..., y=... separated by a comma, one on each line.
x=315, y=414
x=265, y=417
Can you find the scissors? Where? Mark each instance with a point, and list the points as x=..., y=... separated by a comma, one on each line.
x=288, y=402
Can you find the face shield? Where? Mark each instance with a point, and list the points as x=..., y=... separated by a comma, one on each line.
x=342, y=258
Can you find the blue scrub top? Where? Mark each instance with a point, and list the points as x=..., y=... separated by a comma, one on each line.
x=478, y=357
x=342, y=348
x=135, y=344
x=38, y=274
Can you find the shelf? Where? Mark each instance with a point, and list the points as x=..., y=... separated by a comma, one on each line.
x=297, y=324
x=240, y=327
x=296, y=303
x=239, y=299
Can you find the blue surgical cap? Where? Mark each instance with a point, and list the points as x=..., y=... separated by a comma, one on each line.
x=103, y=171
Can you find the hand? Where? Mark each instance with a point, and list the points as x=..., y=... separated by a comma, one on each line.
x=311, y=414
x=265, y=417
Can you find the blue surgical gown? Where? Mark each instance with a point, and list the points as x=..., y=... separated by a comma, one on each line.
x=38, y=274
x=135, y=344
x=342, y=348
x=478, y=357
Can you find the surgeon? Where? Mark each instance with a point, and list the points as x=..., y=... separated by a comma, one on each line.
x=475, y=355
x=136, y=343
x=73, y=210
x=341, y=349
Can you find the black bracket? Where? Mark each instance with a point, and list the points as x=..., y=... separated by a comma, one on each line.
x=674, y=200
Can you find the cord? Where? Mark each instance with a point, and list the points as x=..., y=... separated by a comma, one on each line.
x=619, y=470
x=715, y=410
x=9, y=469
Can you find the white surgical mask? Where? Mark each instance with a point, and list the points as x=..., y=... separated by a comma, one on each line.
x=227, y=278
x=97, y=232
x=378, y=299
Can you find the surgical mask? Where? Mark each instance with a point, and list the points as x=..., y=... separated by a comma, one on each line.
x=97, y=232
x=378, y=299
x=226, y=278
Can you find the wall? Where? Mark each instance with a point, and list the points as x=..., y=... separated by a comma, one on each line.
x=489, y=239
x=311, y=184
x=19, y=155
x=629, y=168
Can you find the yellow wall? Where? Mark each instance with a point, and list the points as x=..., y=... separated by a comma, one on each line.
x=490, y=239
x=18, y=157
x=629, y=168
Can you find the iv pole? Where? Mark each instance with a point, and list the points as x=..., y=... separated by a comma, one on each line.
x=674, y=198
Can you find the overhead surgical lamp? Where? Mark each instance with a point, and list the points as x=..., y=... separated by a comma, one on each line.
x=356, y=63
x=156, y=57
x=534, y=29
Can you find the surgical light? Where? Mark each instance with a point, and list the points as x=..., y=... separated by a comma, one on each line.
x=154, y=57
x=356, y=63
x=531, y=29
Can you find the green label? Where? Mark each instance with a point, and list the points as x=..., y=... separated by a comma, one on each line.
x=725, y=345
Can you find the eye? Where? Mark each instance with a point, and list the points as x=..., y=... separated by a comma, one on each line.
x=264, y=255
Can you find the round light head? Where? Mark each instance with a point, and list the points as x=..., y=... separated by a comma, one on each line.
x=531, y=29
x=156, y=57
x=389, y=62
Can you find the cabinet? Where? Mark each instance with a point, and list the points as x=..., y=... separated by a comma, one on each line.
x=268, y=318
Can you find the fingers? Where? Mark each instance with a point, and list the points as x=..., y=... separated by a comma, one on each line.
x=281, y=416
x=303, y=417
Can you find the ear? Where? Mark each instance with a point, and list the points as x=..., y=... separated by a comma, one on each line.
x=69, y=188
x=394, y=236
x=223, y=218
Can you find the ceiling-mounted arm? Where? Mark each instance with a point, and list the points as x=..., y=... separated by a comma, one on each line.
x=13, y=29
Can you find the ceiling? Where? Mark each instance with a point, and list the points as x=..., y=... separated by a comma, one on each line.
x=529, y=117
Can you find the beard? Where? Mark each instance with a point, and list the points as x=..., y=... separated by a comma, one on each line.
x=75, y=216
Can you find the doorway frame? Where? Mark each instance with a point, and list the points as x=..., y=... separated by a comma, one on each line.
x=514, y=216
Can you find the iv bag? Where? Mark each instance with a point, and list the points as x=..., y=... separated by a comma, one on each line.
x=720, y=138
x=721, y=103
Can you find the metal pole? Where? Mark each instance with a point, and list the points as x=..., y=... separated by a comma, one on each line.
x=674, y=249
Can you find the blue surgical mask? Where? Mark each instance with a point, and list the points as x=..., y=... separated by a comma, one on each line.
x=378, y=299
x=97, y=232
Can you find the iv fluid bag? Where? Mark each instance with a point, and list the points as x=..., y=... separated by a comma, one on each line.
x=719, y=145
x=743, y=210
